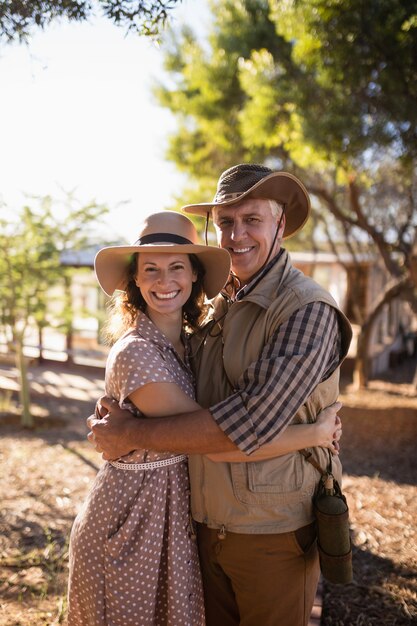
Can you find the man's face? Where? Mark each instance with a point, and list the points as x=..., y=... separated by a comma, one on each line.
x=246, y=230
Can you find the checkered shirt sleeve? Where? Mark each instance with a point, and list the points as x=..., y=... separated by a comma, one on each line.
x=304, y=351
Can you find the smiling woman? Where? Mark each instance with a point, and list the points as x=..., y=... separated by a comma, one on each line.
x=134, y=526
x=168, y=288
x=165, y=282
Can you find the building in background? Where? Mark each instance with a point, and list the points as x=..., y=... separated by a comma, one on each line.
x=356, y=285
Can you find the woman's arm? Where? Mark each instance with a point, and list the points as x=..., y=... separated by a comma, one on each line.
x=162, y=399
x=325, y=432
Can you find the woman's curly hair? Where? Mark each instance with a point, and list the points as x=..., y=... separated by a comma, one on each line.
x=124, y=306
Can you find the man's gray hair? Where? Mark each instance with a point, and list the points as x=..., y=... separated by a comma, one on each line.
x=275, y=207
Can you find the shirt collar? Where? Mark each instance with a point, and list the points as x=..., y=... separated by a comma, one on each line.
x=241, y=293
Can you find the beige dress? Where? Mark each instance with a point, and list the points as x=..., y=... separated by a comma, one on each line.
x=133, y=558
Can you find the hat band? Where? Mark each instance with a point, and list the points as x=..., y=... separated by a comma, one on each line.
x=162, y=238
x=223, y=197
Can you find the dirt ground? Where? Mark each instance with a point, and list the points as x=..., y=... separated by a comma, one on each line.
x=45, y=474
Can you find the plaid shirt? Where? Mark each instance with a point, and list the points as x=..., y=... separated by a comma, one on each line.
x=303, y=352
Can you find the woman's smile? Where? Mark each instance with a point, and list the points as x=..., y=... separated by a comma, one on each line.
x=165, y=281
x=165, y=296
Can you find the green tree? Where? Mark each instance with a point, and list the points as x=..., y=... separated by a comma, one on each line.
x=76, y=231
x=31, y=246
x=323, y=88
x=18, y=18
x=28, y=263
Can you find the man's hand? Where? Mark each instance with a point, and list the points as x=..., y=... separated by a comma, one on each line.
x=110, y=434
x=101, y=410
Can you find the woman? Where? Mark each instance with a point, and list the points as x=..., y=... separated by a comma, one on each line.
x=133, y=560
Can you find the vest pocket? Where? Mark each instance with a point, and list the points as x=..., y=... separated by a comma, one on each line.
x=267, y=482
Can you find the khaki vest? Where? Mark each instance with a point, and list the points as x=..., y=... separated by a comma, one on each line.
x=270, y=496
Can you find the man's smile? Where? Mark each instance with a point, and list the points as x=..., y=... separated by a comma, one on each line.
x=241, y=250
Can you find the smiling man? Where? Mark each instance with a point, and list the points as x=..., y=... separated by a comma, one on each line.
x=249, y=232
x=268, y=357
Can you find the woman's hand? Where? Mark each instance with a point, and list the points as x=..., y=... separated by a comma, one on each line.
x=329, y=428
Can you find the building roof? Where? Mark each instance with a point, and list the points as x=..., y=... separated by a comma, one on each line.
x=79, y=258
x=328, y=257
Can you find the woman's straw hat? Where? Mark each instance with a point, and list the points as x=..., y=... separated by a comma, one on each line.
x=168, y=232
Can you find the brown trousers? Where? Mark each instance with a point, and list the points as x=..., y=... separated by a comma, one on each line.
x=258, y=580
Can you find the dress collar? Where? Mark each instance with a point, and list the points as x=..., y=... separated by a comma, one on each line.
x=146, y=329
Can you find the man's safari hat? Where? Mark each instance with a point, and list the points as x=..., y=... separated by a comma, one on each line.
x=249, y=180
x=168, y=232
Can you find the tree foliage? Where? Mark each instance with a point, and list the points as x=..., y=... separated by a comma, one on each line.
x=19, y=18
x=323, y=88
x=31, y=245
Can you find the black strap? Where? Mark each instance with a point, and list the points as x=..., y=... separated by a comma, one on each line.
x=162, y=238
x=309, y=457
x=206, y=228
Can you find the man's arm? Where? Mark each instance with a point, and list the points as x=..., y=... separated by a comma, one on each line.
x=119, y=432
x=302, y=352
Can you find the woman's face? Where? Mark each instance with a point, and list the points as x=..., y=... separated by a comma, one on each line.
x=165, y=280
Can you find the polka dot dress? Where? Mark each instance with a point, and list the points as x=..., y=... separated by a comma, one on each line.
x=133, y=559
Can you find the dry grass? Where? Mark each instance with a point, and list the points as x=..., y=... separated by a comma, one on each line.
x=380, y=464
x=46, y=473
x=45, y=476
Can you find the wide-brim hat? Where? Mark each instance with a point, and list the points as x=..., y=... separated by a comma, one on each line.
x=168, y=232
x=249, y=180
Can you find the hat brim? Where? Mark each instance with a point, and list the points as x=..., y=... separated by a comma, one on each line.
x=283, y=187
x=111, y=264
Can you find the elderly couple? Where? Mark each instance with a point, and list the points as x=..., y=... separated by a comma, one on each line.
x=258, y=345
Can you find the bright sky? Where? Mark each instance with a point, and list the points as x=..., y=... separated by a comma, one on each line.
x=77, y=113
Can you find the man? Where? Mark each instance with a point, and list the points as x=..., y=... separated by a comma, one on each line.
x=269, y=357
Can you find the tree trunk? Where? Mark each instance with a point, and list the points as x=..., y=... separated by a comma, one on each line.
x=393, y=290
x=361, y=371
x=24, y=395
x=69, y=347
x=415, y=380
x=40, y=344
x=68, y=313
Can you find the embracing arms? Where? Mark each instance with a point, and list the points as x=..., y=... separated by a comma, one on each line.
x=193, y=430
x=295, y=362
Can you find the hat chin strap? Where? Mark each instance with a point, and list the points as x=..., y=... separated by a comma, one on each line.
x=274, y=240
x=206, y=228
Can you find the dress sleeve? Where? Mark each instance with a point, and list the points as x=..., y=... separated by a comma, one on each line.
x=136, y=363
